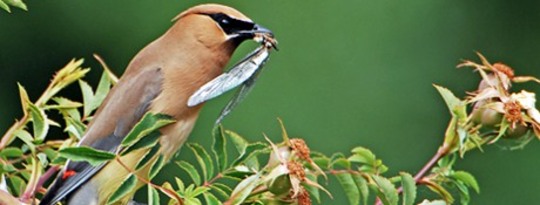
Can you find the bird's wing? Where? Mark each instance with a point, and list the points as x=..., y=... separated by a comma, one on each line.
x=241, y=72
x=125, y=105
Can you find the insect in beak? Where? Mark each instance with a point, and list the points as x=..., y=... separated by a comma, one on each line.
x=244, y=73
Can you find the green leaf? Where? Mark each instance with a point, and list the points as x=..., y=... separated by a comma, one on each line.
x=451, y=100
x=349, y=186
x=251, y=151
x=4, y=6
x=75, y=127
x=11, y=152
x=101, y=92
x=441, y=191
x=26, y=138
x=156, y=167
x=191, y=171
x=125, y=188
x=386, y=190
x=39, y=122
x=198, y=191
x=467, y=178
x=180, y=184
x=464, y=195
x=63, y=103
x=88, y=97
x=211, y=199
x=221, y=189
x=17, y=3
x=88, y=154
x=149, y=123
x=219, y=148
x=18, y=184
x=22, y=92
x=147, y=157
x=243, y=189
x=204, y=159
x=363, y=187
x=153, y=196
x=312, y=190
x=341, y=163
x=409, y=188
x=362, y=155
x=238, y=141
x=149, y=141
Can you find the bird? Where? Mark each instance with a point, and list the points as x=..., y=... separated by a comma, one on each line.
x=159, y=79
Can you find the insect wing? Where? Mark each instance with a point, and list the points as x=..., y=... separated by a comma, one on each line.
x=229, y=80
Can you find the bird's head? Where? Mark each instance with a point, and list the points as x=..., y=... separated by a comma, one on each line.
x=216, y=25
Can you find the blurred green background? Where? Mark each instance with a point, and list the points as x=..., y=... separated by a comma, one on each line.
x=348, y=73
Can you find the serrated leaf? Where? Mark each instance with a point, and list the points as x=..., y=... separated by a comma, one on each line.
x=362, y=155
x=22, y=93
x=386, y=191
x=149, y=123
x=238, y=141
x=191, y=171
x=87, y=154
x=26, y=138
x=149, y=141
x=88, y=97
x=204, y=159
x=363, y=187
x=63, y=103
x=211, y=199
x=323, y=162
x=409, y=188
x=153, y=196
x=349, y=187
x=251, y=151
x=11, y=152
x=243, y=189
x=219, y=148
x=156, y=167
x=39, y=122
x=467, y=178
x=451, y=100
x=126, y=187
x=101, y=91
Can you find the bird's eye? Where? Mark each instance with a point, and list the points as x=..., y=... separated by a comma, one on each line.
x=225, y=21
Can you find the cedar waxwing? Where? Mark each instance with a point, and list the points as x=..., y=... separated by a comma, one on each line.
x=159, y=79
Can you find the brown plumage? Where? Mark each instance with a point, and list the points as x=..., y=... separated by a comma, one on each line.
x=159, y=79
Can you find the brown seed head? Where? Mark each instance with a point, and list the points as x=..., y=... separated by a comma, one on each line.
x=300, y=147
x=503, y=68
x=297, y=170
x=303, y=198
x=512, y=113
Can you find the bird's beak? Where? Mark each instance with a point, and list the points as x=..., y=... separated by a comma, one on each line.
x=256, y=31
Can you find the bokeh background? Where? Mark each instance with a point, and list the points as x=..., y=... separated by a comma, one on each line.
x=348, y=73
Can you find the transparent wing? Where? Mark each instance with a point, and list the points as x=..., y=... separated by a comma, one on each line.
x=239, y=96
x=237, y=75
